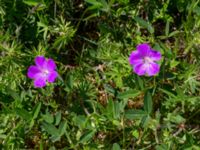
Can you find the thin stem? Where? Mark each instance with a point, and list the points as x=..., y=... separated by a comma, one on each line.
x=55, y=8
x=156, y=136
x=84, y=108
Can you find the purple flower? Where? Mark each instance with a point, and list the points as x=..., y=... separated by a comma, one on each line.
x=144, y=60
x=43, y=71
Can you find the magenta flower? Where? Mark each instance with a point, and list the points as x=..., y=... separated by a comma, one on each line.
x=43, y=71
x=144, y=60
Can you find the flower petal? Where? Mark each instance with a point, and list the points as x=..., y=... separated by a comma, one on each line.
x=51, y=65
x=135, y=58
x=40, y=81
x=40, y=61
x=52, y=76
x=143, y=49
x=33, y=71
x=155, y=55
x=140, y=69
x=153, y=69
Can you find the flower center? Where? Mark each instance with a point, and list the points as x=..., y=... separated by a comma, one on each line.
x=147, y=60
x=45, y=72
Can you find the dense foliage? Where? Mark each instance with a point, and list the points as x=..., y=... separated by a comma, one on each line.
x=97, y=101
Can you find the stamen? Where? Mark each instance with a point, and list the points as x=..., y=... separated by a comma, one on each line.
x=147, y=60
x=46, y=72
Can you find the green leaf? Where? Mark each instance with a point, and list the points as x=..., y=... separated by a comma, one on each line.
x=167, y=28
x=58, y=118
x=135, y=114
x=52, y=148
x=55, y=138
x=110, y=109
x=51, y=129
x=162, y=147
x=62, y=127
x=168, y=93
x=80, y=121
x=23, y=113
x=13, y=94
x=31, y=2
x=173, y=33
x=94, y=3
x=128, y=94
x=122, y=105
x=135, y=133
x=113, y=110
x=139, y=82
x=145, y=121
x=144, y=24
x=176, y=118
x=105, y=6
x=173, y=63
x=197, y=10
x=116, y=111
x=3, y=136
x=36, y=110
x=148, y=105
x=69, y=83
x=116, y=146
x=35, y=113
x=87, y=136
x=48, y=117
x=109, y=89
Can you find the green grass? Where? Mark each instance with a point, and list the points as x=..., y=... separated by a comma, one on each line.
x=98, y=102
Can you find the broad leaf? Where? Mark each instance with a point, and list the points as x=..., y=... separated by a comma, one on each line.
x=148, y=105
x=144, y=24
x=135, y=114
x=128, y=94
x=51, y=129
x=23, y=113
x=87, y=136
x=58, y=118
x=62, y=127
x=116, y=147
x=36, y=110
